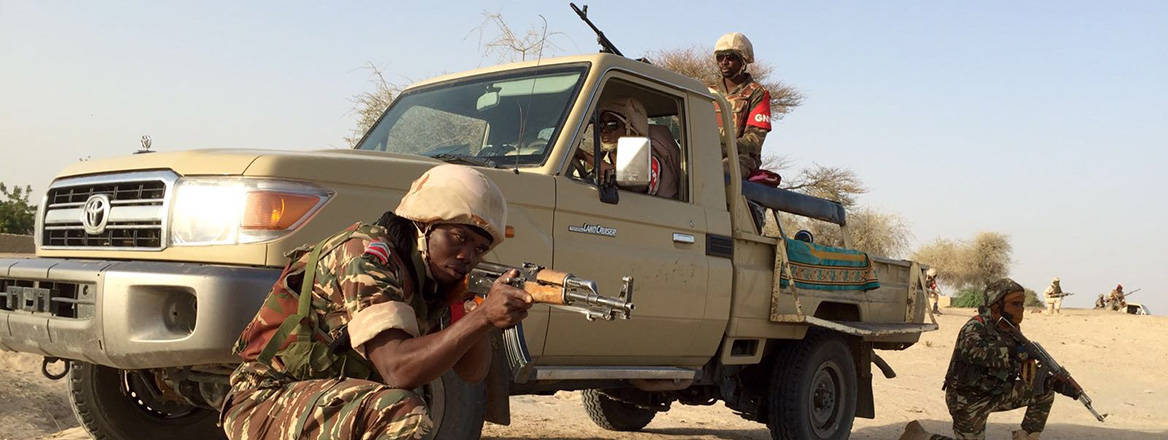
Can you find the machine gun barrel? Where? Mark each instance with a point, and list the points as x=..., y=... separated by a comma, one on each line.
x=1050, y=369
x=605, y=43
x=559, y=289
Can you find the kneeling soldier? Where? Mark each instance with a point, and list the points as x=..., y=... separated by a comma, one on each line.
x=990, y=372
x=356, y=322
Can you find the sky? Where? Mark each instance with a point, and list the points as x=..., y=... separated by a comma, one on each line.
x=1047, y=121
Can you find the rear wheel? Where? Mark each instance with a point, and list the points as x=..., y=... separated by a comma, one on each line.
x=813, y=391
x=117, y=404
x=615, y=415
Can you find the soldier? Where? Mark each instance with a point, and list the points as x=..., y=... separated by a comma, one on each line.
x=934, y=291
x=374, y=320
x=626, y=116
x=750, y=102
x=989, y=372
x=1054, y=297
x=1116, y=300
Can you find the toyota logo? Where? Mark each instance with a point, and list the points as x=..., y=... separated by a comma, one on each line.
x=95, y=214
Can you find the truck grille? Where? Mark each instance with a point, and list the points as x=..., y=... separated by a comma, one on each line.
x=132, y=212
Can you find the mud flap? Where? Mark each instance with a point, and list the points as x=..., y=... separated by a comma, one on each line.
x=865, y=403
x=498, y=383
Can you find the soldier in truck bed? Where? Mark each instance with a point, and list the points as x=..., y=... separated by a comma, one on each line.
x=375, y=320
x=750, y=101
x=989, y=372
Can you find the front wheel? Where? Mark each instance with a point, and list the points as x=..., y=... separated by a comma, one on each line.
x=117, y=404
x=456, y=407
x=615, y=415
x=813, y=391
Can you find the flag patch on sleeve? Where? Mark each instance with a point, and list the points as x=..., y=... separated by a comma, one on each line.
x=379, y=251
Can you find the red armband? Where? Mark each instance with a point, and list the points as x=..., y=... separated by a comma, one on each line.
x=760, y=115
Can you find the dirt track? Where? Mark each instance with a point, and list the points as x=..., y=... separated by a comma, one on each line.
x=1127, y=380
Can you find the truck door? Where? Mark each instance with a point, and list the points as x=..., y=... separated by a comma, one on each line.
x=659, y=241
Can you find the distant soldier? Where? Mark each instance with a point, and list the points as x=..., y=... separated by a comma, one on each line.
x=1100, y=302
x=934, y=291
x=750, y=101
x=1117, y=300
x=989, y=372
x=1054, y=297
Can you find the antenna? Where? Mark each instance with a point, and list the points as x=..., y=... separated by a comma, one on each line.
x=523, y=114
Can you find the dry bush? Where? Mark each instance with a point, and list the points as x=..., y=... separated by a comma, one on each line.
x=698, y=62
x=968, y=264
x=369, y=106
x=496, y=37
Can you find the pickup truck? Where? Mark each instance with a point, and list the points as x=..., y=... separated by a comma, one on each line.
x=147, y=267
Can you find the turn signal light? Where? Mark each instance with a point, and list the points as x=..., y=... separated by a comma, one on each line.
x=274, y=211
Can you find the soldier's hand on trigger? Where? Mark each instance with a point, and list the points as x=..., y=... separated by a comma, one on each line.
x=505, y=304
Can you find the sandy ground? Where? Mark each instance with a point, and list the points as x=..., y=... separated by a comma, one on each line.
x=1120, y=359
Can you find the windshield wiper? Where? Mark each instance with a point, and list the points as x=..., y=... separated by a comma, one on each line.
x=465, y=160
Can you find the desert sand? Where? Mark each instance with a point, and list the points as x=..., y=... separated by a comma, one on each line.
x=1121, y=360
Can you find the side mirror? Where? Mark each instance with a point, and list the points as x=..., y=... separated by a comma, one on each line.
x=633, y=155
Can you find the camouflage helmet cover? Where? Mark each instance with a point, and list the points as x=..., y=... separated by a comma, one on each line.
x=456, y=194
x=1054, y=280
x=633, y=112
x=737, y=43
x=997, y=290
x=931, y=272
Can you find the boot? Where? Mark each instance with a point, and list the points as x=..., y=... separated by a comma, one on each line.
x=1023, y=435
x=914, y=431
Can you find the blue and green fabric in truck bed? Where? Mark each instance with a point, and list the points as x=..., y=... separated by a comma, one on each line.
x=819, y=267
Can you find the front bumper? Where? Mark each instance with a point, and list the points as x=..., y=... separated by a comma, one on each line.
x=128, y=314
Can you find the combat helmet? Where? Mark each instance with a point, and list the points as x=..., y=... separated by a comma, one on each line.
x=997, y=290
x=632, y=111
x=455, y=194
x=737, y=43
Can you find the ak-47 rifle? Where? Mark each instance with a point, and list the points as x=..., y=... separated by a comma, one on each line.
x=557, y=288
x=605, y=44
x=1050, y=370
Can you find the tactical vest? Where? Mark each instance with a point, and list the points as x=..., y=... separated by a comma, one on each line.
x=299, y=345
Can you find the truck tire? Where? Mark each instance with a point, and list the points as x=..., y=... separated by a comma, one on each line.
x=111, y=406
x=813, y=390
x=614, y=415
x=456, y=407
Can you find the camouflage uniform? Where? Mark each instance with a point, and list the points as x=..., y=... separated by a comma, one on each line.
x=751, y=104
x=317, y=385
x=983, y=378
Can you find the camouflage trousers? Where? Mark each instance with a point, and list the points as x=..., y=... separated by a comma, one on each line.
x=970, y=413
x=326, y=409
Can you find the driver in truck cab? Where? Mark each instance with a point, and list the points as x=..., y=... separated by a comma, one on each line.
x=626, y=116
x=357, y=321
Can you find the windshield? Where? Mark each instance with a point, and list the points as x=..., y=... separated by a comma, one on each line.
x=497, y=121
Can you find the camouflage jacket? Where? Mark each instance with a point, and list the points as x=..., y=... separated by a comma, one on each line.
x=362, y=286
x=751, y=104
x=985, y=361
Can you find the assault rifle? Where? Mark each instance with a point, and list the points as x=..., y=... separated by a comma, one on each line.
x=605, y=44
x=1049, y=369
x=1061, y=295
x=562, y=289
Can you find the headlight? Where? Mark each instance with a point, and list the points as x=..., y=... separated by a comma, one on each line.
x=225, y=210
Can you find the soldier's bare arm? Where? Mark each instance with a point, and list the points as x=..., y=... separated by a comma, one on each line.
x=409, y=362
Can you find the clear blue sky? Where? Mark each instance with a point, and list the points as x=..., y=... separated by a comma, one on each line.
x=1044, y=120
